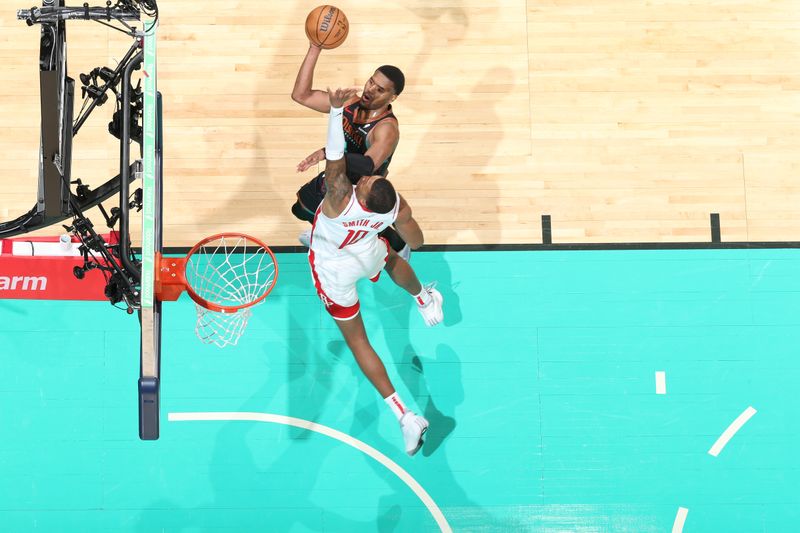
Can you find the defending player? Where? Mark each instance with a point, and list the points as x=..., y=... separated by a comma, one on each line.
x=345, y=247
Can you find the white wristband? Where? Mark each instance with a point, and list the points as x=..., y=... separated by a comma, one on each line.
x=334, y=149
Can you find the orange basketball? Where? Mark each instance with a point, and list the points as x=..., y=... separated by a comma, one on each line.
x=326, y=26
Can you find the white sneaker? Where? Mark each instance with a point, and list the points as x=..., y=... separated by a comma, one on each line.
x=432, y=312
x=413, y=427
x=405, y=253
x=305, y=238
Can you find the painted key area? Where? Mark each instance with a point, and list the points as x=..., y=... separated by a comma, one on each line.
x=540, y=387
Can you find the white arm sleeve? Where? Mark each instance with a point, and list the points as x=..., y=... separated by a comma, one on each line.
x=334, y=149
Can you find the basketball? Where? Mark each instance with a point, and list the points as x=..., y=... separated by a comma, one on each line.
x=327, y=26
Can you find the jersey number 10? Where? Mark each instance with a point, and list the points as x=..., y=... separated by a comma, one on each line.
x=353, y=237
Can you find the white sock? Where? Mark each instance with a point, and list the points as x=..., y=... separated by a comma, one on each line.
x=423, y=298
x=396, y=404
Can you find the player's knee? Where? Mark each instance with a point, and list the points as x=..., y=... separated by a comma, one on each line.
x=391, y=263
x=358, y=342
x=301, y=212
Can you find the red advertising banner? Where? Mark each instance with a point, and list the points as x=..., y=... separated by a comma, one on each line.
x=41, y=268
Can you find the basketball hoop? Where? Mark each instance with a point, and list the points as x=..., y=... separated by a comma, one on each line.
x=226, y=275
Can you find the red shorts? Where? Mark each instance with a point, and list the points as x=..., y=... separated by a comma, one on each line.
x=335, y=278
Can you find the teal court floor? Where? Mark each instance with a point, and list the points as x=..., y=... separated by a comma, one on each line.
x=540, y=388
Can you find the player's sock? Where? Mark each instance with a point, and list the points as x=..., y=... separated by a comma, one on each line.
x=423, y=298
x=305, y=238
x=396, y=405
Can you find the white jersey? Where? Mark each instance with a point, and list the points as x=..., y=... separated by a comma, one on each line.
x=354, y=232
x=344, y=250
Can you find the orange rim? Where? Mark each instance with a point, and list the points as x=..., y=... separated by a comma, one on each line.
x=199, y=300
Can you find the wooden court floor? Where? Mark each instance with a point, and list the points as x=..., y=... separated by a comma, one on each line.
x=624, y=121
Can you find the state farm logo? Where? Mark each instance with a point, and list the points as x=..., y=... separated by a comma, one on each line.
x=23, y=283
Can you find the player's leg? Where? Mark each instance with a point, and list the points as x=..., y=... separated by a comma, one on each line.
x=412, y=425
x=429, y=300
x=371, y=365
x=402, y=274
x=336, y=287
x=309, y=196
x=301, y=212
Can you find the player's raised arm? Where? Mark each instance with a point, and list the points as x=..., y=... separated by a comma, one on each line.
x=326, y=27
x=338, y=186
x=302, y=93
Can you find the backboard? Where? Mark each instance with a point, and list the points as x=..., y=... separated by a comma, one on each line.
x=152, y=211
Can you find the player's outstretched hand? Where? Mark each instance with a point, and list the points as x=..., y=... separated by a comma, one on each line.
x=340, y=96
x=311, y=160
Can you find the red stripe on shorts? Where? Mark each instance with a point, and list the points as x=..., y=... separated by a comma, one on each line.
x=385, y=258
x=339, y=312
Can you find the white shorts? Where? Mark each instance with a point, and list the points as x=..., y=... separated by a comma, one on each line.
x=335, y=277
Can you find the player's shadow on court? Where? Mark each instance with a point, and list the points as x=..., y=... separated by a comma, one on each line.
x=449, y=290
x=309, y=380
x=441, y=425
x=477, y=207
x=241, y=462
x=411, y=366
x=413, y=373
x=299, y=383
x=270, y=176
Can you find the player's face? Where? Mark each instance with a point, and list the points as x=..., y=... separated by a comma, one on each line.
x=378, y=92
x=363, y=188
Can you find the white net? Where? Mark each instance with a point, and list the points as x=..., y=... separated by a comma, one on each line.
x=222, y=329
x=228, y=271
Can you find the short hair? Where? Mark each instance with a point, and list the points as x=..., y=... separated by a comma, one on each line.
x=395, y=75
x=382, y=196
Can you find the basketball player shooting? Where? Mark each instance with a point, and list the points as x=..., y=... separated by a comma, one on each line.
x=371, y=135
x=346, y=247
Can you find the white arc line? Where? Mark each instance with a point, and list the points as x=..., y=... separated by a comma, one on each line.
x=680, y=519
x=334, y=434
x=728, y=434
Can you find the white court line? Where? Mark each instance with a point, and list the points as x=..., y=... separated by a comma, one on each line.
x=680, y=518
x=735, y=426
x=661, y=382
x=334, y=434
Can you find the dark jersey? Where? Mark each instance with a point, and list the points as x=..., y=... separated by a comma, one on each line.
x=355, y=133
